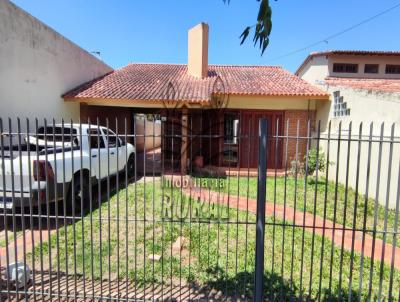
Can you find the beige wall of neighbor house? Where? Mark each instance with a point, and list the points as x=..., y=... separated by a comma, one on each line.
x=38, y=65
x=366, y=107
x=382, y=61
x=314, y=70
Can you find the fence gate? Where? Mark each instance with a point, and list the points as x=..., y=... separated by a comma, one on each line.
x=168, y=209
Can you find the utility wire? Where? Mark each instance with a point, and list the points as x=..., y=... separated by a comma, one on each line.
x=325, y=40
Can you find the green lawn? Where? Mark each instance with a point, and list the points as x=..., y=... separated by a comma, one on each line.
x=276, y=191
x=219, y=254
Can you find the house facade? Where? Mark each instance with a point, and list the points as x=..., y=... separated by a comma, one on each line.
x=364, y=89
x=198, y=101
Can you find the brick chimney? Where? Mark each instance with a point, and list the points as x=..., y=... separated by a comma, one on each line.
x=198, y=50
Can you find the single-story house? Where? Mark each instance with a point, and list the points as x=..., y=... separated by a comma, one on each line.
x=202, y=100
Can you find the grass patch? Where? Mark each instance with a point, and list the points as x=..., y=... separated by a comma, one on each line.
x=10, y=240
x=218, y=253
x=302, y=194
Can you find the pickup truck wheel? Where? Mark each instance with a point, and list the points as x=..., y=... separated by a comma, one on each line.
x=131, y=166
x=78, y=194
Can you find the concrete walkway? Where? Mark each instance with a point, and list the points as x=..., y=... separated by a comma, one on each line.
x=303, y=219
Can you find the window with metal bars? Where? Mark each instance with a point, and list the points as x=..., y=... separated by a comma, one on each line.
x=345, y=68
x=371, y=68
x=392, y=69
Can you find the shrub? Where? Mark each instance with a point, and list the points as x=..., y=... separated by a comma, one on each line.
x=312, y=161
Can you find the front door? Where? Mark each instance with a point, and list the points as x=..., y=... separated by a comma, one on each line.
x=249, y=138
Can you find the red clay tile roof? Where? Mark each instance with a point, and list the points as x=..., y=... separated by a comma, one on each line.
x=383, y=85
x=150, y=82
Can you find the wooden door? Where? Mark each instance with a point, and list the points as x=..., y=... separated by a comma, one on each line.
x=249, y=124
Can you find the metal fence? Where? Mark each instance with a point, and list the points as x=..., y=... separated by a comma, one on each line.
x=86, y=216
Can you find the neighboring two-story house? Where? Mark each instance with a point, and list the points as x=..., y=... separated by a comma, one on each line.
x=364, y=86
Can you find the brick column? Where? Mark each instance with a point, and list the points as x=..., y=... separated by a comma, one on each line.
x=301, y=116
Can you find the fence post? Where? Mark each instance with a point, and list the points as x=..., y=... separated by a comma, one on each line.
x=260, y=223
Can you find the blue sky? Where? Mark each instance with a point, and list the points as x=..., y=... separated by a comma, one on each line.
x=156, y=31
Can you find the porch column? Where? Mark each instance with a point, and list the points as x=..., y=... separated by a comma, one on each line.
x=184, y=145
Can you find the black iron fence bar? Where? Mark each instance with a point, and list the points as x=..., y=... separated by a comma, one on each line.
x=375, y=212
x=284, y=203
x=13, y=199
x=4, y=205
x=304, y=206
x=355, y=211
x=261, y=198
x=22, y=210
x=386, y=214
x=365, y=207
x=325, y=210
x=335, y=205
x=345, y=212
x=317, y=166
x=295, y=205
x=91, y=217
x=126, y=214
x=30, y=211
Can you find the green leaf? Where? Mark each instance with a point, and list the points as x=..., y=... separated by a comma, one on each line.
x=265, y=45
x=263, y=26
x=244, y=34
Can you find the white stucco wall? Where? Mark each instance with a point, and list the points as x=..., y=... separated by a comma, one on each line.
x=365, y=107
x=38, y=65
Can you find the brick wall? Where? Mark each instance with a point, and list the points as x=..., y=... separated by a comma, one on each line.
x=301, y=117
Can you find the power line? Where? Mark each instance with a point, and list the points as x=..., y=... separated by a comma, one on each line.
x=325, y=40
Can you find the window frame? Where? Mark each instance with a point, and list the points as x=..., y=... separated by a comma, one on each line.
x=111, y=134
x=345, y=65
x=373, y=66
x=98, y=134
x=396, y=68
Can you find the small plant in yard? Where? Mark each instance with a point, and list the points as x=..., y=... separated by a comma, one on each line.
x=316, y=160
x=296, y=167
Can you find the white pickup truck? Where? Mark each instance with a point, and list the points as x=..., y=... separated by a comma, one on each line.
x=60, y=162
